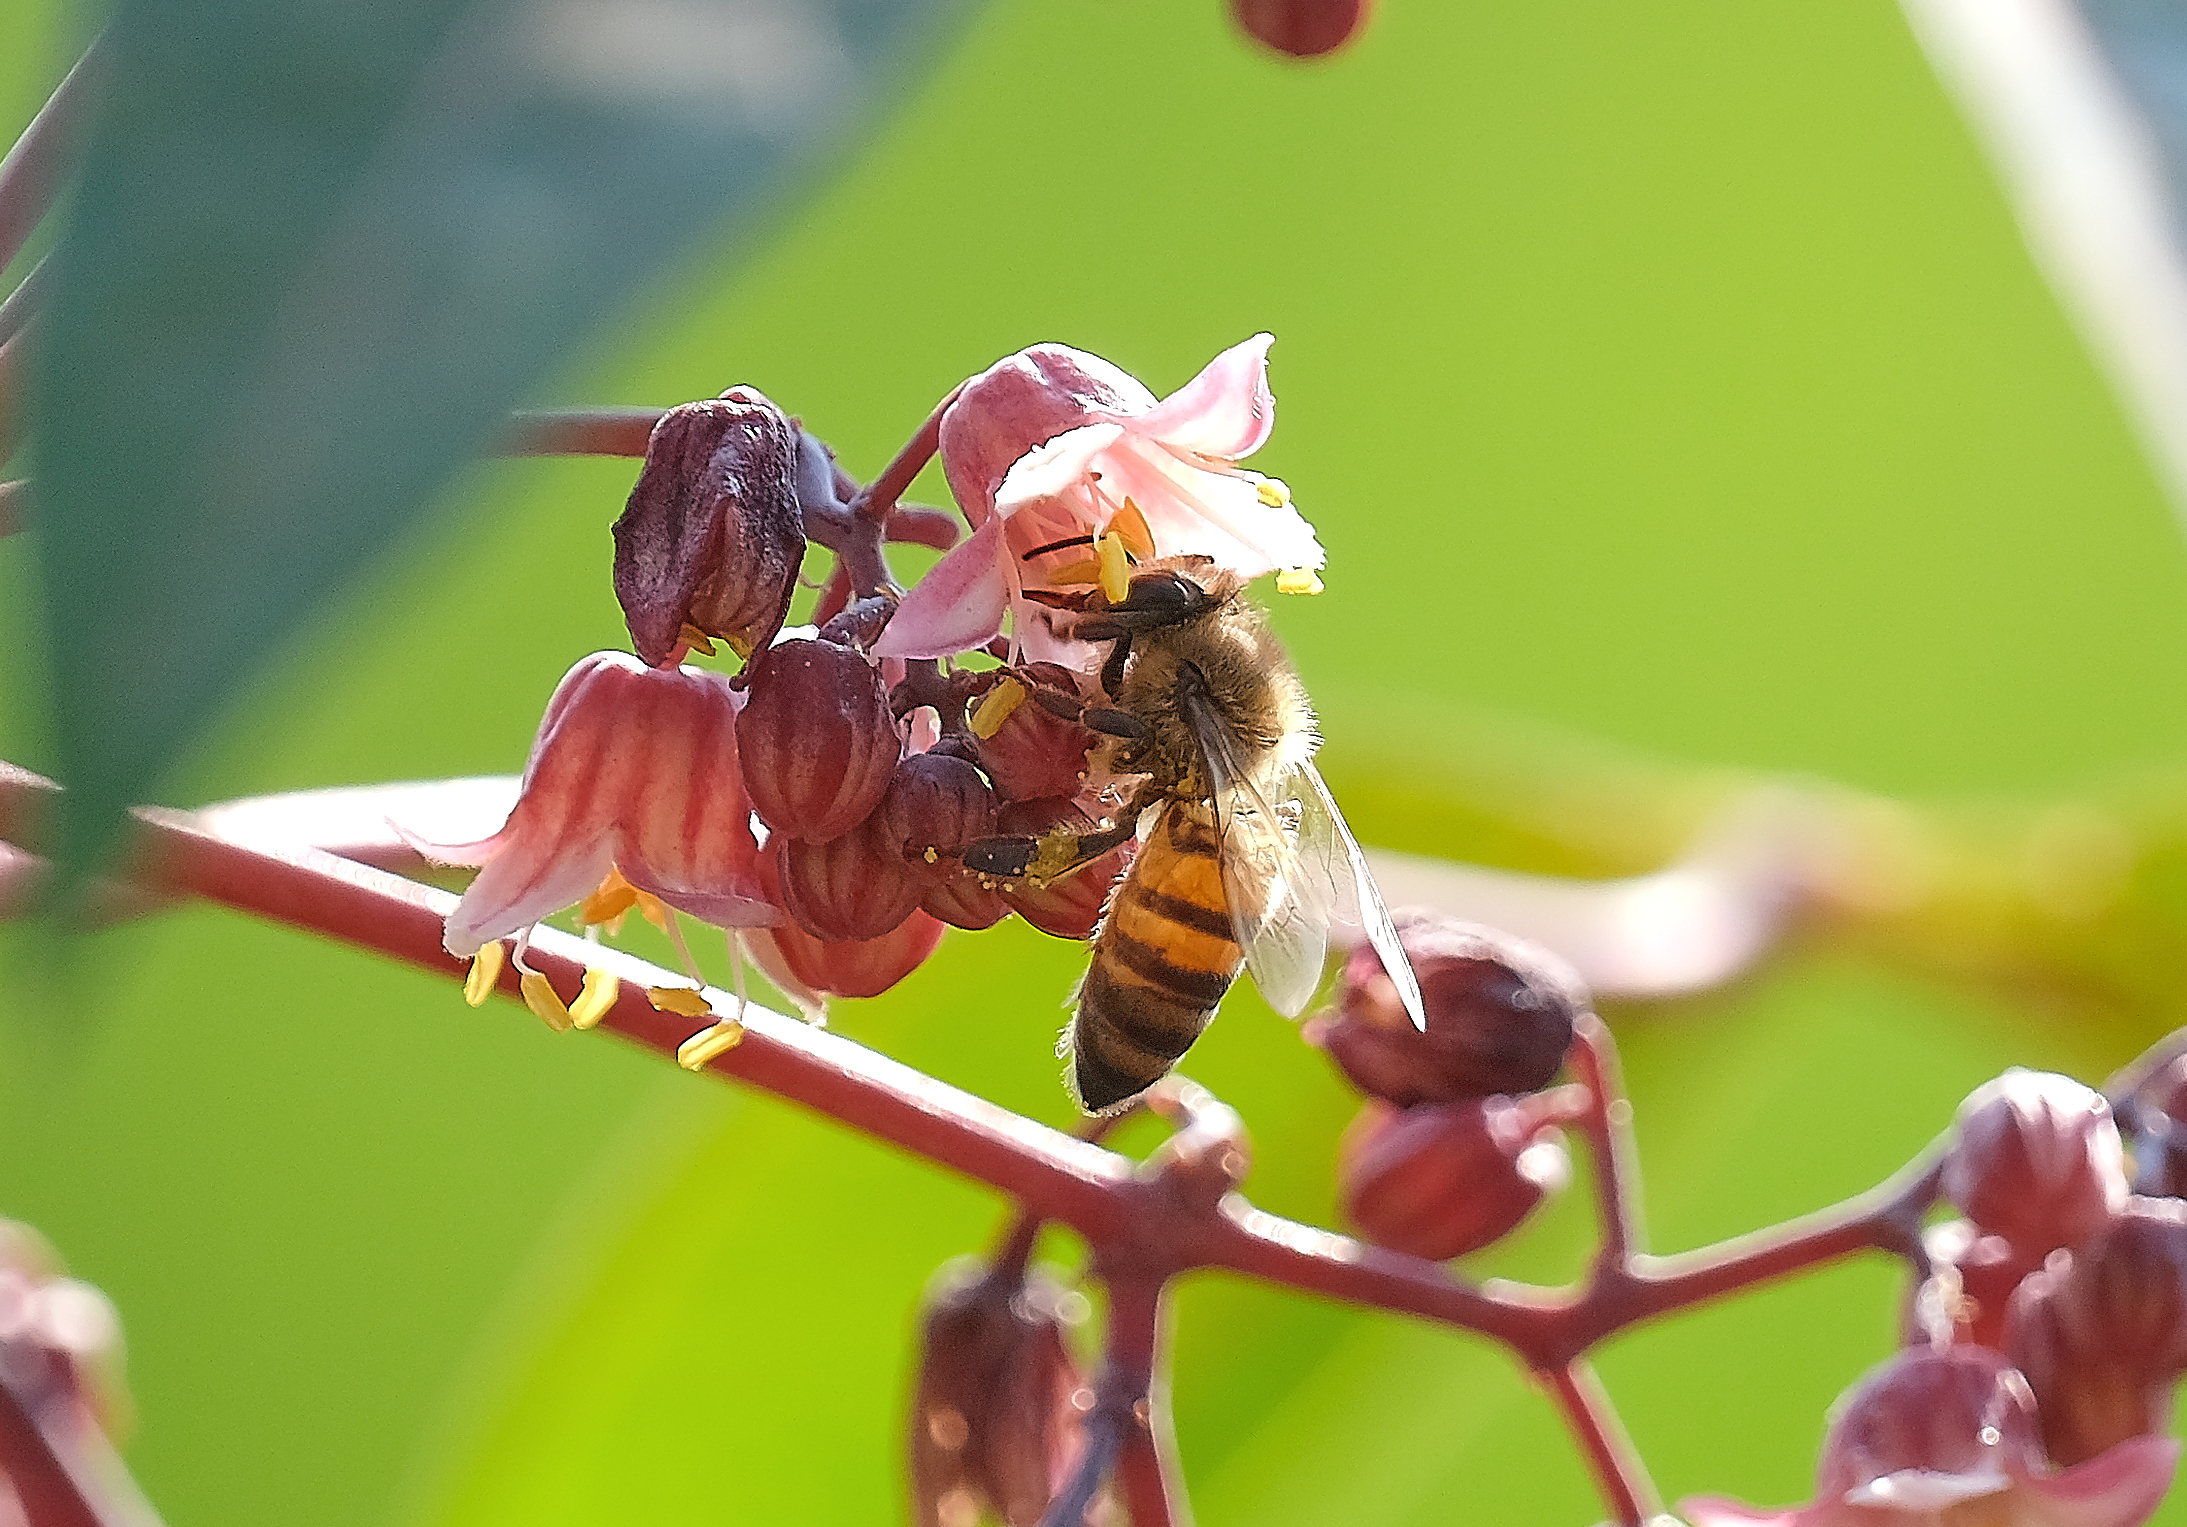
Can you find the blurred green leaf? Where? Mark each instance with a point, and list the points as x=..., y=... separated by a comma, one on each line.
x=320, y=248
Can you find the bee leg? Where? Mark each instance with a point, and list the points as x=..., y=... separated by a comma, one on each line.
x=1046, y=858
x=1114, y=723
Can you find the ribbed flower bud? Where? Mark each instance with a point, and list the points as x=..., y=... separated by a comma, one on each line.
x=2037, y=1160
x=2101, y=1331
x=1071, y=906
x=712, y=536
x=1301, y=28
x=809, y=970
x=997, y=1420
x=817, y=740
x=936, y=804
x=1032, y=753
x=1443, y=1179
x=1500, y=1013
x=853, y=886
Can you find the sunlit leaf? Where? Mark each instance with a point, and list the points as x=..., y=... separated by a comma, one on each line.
x=319, y=249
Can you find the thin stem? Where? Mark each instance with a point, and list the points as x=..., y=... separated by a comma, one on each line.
x=45, y=155
x=1608, y=1127
x=43, y=1485
x=1104, y=1440
x=1132, y=1397
x=579, y=432
x=878, y=498
x=1622, y=1477
x=22, y=303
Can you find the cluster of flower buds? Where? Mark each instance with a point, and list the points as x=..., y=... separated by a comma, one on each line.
x=1458, y=1142
x=2046, y=1343
x=998, y=1418
x=821, y=802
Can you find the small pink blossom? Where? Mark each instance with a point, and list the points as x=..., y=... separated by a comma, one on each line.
x=1945, y=1438
x=1051, y=445
x=634, y=768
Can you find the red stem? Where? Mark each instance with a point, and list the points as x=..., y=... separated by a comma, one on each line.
x=1618, y=1470
x=42, y=1482
x=878, y=498
x=1130, y=1390
x=579, y=432
x=45, y=155
x=1607, y=1125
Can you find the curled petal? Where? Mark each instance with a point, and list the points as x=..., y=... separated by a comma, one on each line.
x=1049, y=469
x=958, y=605
x=2119, y=1487
x=1019, y=402
x=1226, y=411
x=1213, y=514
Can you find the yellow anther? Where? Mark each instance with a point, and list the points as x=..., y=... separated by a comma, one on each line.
x=698, y=641
x=1132, y=526
x=680, y=1000
x=996, y=707
x=600, y=991
x=653, y=910
x=1298, y=580
x=1084, y=570
x=1115, y=567
x=539, y=996
x=1272, y=492
x=695, y=1052
x=615, y=897
x=484, y=975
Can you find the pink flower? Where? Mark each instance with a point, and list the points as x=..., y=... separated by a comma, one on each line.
x=1051, y=447
x=1941, y=1438
x=635, y=768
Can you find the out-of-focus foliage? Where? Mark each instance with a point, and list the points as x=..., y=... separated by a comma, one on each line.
x=1669, y=375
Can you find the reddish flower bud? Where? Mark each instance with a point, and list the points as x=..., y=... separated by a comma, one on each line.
x=1970, y=1285
x=2159, y=1114
x=997, y=1420
x=1444, y=1179
x=2037, y=1160
x=809, y=969
x=1033, y=752
x=935, y=805
x=1069, y=907
x=1301, y=28
x=712, y=536
x=2101, y=1331
x=1500, y=1013
x=817, y=740
x=853, y=886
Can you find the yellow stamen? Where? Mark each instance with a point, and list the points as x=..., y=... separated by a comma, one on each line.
x=539, y=996
x=1084, y=570
x=680, y=1000
x=995, y=708
x=653, y=910
x=1298, y=580
x=1115, y=567
x=1272, y=492
x=1132, y=526
x=484, y=975
x=695, y=1052
x=600, y=991
x=608, y=904
x=698, y=641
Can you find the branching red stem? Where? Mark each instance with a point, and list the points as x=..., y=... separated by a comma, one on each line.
x=1607, y=1125
x=45, y=155
x=48, y=1493
x=579, y=432
x=1594, y=1423
x=878, y=498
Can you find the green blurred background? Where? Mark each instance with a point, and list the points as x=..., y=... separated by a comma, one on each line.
x=1666, y=383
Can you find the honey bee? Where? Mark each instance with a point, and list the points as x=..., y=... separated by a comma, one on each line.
x=1244, y=861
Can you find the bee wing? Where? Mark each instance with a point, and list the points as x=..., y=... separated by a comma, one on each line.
x=1280, y=901
x=1326, y=842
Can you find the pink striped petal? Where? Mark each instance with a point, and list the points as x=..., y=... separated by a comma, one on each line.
x=2119, y=1487
x=958, y=605
x=1225, y=412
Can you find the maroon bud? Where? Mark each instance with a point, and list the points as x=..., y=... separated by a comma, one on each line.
x=1971, y=1280
x=2101, y=1331
x=808, y=968
x=1961, y=1411
x=1071, y=906
x=851, y=887
x=2037, y=1161
x=935, y=805
x=1444, y=1179
x=816, y=739
x=2159, y=1114
x=1301, y=28
x=1500, y=1013
x=1033, y=753
x=712, y=536
x=997, y=1420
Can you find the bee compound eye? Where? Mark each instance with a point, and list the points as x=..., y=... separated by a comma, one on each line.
x=1163, y=595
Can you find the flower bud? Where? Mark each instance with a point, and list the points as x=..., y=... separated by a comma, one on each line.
x=712, y=536
x=1440, y=1180
x=2101, y=1331
x=1500, y=1015
x=853, y=886
x=809, y=969
x=2159, y=1114
x=1069, y=907
x=1971, y=1281
x=1032, y=752
x=817, y=740
x=1301, y=28
x=935, y=805
x=997, y=1420
x=2037, y=1160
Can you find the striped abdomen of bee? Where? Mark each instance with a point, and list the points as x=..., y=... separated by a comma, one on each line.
x=1163, y=958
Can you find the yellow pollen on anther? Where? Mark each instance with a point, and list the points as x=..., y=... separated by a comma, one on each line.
x=1132, y=526
x=1115, y=567
x=607, y=905
x=996, y=707
x=1272, y=492
x=600, y=991
x=484, y=974
x=540, y=997
x=1298, y=580
x=680, y=1000
x=695, y=1052
x=1084, y=570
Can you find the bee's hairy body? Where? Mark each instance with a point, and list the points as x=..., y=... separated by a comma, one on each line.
x=1166, y=949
